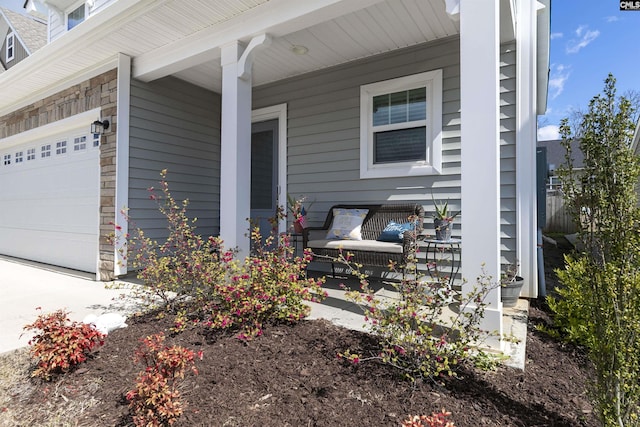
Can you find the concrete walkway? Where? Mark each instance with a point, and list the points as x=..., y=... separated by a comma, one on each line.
x=26, y=285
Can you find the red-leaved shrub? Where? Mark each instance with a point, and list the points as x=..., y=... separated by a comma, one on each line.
x=156, y=400
x=60, y=344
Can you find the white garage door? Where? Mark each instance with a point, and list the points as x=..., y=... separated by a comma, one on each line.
x=49, y=199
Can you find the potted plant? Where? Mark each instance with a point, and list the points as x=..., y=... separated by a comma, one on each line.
x=510, y=286
x=296, y=207
x=442, y=220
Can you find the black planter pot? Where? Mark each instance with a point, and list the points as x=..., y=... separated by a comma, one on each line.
x=511, y=292
x=442, y=228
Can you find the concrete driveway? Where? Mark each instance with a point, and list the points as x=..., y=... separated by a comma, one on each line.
x=26, y=285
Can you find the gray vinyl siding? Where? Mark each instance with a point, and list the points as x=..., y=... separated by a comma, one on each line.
x=19, y=54
x=4, y=32
x=323, y=150
x=508, y=227
x=324, y=131
x=174, y=126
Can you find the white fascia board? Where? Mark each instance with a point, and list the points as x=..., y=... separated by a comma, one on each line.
x=67, y=45
x=276, y=18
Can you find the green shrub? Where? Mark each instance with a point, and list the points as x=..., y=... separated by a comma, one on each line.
x=599, y=303
x=412, y=332
x=202, y=282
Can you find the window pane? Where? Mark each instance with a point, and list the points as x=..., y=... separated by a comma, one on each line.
x=418, y=104
x=404, y=145
x=75, y=17
x=262, y=170
x=381, y=110
x=398, y=113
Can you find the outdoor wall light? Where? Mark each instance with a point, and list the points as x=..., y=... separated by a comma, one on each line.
x=99, y=126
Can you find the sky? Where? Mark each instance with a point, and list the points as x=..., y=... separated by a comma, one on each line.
x=589, y=40
x=15, y=5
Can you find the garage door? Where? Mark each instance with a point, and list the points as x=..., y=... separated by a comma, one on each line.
x=49, y=199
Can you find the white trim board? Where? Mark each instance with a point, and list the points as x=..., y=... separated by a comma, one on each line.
x=279, y=112
x=52, y=128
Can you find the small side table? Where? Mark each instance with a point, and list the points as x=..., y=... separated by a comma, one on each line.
x=449, y=247
x=297, y=242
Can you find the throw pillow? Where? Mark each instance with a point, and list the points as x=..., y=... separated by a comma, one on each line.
x=394, y=232
x=347, y=224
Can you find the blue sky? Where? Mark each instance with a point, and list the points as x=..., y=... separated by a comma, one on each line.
x=15, y=5
x=589, y=40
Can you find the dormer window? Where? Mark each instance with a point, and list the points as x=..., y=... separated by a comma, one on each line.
x=76, y=16
x=11, y=46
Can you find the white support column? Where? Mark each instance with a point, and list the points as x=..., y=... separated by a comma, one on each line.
x=235, y=156
x=526, y=138
x=480, y=135
x=122, y=158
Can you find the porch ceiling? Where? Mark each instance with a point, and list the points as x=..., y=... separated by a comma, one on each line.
x=379, y=28
x=183, y=38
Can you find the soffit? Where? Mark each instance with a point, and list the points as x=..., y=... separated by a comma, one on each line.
x=382, y=27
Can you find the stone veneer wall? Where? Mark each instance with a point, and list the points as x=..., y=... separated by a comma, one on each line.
x=97, y=92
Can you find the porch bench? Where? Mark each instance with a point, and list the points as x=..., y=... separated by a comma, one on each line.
x=369, y=251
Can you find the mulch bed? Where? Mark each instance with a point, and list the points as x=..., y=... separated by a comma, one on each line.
x=291, y=376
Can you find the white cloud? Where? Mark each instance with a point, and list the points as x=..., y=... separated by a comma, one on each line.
x=610, y=19
x=556, y=36
x=548, y=132
x=557, y=79
x=584, y=36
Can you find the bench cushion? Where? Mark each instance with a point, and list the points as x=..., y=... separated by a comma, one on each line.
x=369, y=251
x=356, y=245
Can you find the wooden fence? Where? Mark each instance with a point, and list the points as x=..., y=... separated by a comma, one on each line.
x=558, y=221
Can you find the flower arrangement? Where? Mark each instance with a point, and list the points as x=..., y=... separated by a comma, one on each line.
x=296, y=207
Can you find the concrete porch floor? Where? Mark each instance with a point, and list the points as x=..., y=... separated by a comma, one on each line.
x=339, y=311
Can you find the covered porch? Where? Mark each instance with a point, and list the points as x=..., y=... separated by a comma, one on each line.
x=207, y=73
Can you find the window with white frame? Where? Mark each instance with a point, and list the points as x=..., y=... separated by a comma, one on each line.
x=96, y=139
x=7, y=159
x=76, y=16
x=45, y=151
x=401, y=126
x=31, y=154
x=19, y=157
x=61, y=147
x=10, y=47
